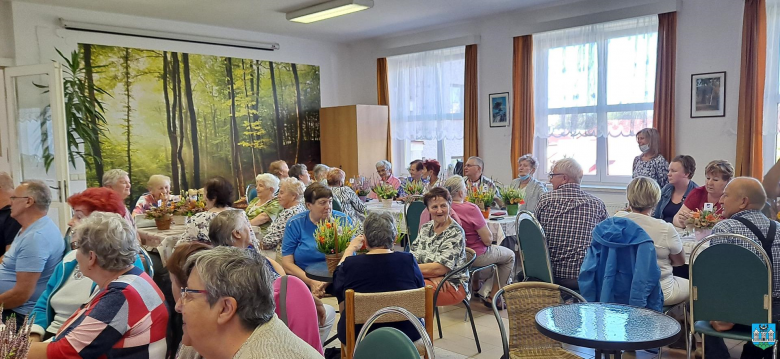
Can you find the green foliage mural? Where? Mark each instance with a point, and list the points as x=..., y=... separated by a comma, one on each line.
x=192, y=117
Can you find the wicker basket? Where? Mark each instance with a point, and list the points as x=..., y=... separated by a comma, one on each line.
x=332, y=260
x=163, y=223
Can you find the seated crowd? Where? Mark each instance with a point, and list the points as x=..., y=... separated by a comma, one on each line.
x=245, y=295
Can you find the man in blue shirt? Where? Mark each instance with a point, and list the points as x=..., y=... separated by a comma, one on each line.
x=35, y=252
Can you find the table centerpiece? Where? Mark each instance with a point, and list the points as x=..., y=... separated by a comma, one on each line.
x=702, y=223
x=513, y=197
x=333, y=237
x=162, y=214
x=385, y=192
x=483, y=197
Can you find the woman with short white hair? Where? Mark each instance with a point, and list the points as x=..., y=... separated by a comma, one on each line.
x=385, y=171
x=291, y=199
x=159, y=187
x=118, y=181
x=264, y=208
x=530, y=187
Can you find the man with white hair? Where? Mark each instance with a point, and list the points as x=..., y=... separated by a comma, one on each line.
x=473, y=171
x=35, y=252
x=8, y=226
x=568, y=215
x=385, y=171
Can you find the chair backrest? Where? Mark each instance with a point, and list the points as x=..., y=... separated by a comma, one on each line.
x=337, y=205
x=360, y=307
x=251, y=193
x=523, y=300
x=729, y=282
x=389, y=343
x=534, y=255
x=413, y=208
x=424, y=337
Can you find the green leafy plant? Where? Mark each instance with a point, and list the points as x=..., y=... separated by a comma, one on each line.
x=414, y=188
x=385, y=191
x=333, y=236
x=512, y=195
x=482, y=197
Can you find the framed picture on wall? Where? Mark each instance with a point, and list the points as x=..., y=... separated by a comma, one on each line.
x=708, y=95
x=499, y=109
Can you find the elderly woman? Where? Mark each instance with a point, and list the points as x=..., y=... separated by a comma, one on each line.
x=67, y=288
x=262, y=210
x=718, y=173
x=530, y=187
x=279, y=169
x=430, y=173
x=416, y=171
x=107, y=325
x=300, y=172
x=350, y=202
x=479, y=239
x=178, y=274
x=159, y=188
x=320, y=172
x=291, y=199
x=651, y=163
x=681, y=171
x=441, y=247
x=230, y=228
x=380, y=270
x=643, y=195
x=118, y=181
x=218, y=193
x=385, y=171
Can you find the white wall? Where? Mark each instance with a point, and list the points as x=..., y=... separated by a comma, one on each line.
x=6, y=31
x=709, y=39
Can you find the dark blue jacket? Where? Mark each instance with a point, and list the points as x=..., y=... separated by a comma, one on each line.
x=620, y=266
x=666, y=197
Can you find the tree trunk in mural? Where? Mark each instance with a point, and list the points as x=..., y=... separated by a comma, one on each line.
x=299, y=111
x=249, y=118
x=170, y=123
x=237, y=168
x=193, y=121
x=97, y=160
x=178, y=110
x=256, y=107
x=126, y=65
x=279, y=121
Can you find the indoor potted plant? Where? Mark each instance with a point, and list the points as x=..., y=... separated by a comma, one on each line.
x=162, y=214
x=414, y=188
x=386, y=193
x=702, y=223
x=483, y=198
x=333, y=237
x=513, y=198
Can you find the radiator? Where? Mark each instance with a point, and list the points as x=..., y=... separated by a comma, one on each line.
x=614, y=207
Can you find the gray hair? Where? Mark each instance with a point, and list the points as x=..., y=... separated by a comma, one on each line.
x=268, y=180
x=222, y=226
x=479, y=162
x=293, y=185
x=528, y=158
x=110, y=237
x=111, y=177
x=6, y=182
x=455, y=184
x=320, y=169
x=40, y=193
x=240, y=274
x=156, y=180
x=569, y=167
x=380, y=231
x=384, y=163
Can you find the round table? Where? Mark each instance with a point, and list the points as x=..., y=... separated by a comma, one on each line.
x=609, y=328
x=319, y=271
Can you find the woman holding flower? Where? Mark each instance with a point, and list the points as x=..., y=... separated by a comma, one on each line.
x=718, y=173
x=530, y=188
x=262, y=210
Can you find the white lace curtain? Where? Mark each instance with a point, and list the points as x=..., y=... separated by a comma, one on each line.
x=772, y=83
x=426, y=94
x=595, y=80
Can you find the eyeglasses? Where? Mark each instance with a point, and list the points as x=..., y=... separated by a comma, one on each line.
x=186, y=293
x=470, y=165
x=551, y=175
x=14, y=197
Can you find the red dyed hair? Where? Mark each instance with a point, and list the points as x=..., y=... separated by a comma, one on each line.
x=432, y=165
x=99, y=199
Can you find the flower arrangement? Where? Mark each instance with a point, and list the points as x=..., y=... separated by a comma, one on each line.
x=703, y=219
x=191, y=202
x=15, y=344
x=482, y=197
x=360, y=186
x=385, y=191
x=412, y=188
x=162, y=210
x=333, y=236
x=512, y=195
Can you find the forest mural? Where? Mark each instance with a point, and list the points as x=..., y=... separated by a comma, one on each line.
x=192, y=117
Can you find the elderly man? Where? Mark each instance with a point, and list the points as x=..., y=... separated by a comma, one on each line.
x=742, y=201
x=35, y=252
x=385, y=171
x=568, y=216
x=228, y=309
x=472, y=170
x=301, y=173
x=8, y=226
x=320, y=172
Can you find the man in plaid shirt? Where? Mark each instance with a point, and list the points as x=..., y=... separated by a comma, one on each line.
x=742, y=200
x=568, y=216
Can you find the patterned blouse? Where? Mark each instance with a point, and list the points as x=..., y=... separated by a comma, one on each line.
x=350, y=204
x=271, y=208
x=198, y=228
x=447, y=248
x=275, y=232
x=656, y=168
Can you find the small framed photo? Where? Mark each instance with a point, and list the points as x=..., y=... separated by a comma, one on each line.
x=708, y=95
x=499, y=109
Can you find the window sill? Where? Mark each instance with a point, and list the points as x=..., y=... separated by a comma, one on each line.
x=602, y=188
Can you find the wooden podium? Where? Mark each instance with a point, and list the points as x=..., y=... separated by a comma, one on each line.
x=354, y=138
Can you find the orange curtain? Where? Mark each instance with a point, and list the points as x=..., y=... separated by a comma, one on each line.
x=383, y=99
x=471, y=108
x=751, y=90
x=663, y=107
x=522, y=99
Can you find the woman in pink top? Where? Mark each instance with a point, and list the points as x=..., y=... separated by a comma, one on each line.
x=479, y=239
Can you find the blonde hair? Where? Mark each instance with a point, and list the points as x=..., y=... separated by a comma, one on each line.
x=293, y=185
x=653, y=139
x=454, y=184
x=155, y=180
x=720, y=167
x=643, y=193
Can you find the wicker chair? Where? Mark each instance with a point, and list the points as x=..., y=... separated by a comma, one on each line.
x=359, y=307
x=523, y=301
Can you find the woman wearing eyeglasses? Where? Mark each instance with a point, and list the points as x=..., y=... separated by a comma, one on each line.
x=68, y=288
x=126, y=317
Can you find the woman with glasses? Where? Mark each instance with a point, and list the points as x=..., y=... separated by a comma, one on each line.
x=127, y=317
x=68, y=288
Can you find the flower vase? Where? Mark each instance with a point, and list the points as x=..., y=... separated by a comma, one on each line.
x=511, y=209
x=387, y=203
x=700, y=233
x=163, y=223
x=486, y=213
x=332, y=260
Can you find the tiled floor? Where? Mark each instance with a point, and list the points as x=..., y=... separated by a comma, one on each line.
x=458, y=341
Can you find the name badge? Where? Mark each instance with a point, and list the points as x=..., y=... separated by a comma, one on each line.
x=708, y=207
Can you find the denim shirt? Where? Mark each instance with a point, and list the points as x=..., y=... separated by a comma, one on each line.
x=666, y=197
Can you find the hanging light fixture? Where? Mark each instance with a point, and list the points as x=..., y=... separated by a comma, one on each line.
x=328, y=10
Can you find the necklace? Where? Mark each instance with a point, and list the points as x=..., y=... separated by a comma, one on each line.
x=77, y=275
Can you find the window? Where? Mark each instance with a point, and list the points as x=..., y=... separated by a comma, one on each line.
x=771, y=130
x=426, y=105
x=594, y=88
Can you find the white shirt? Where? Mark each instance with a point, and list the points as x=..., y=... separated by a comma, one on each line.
x=75, y=291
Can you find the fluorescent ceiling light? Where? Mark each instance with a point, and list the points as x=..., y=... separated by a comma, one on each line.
x=328, y=10
x=150, y=34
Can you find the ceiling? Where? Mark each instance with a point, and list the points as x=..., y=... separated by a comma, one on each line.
x=386, y=17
